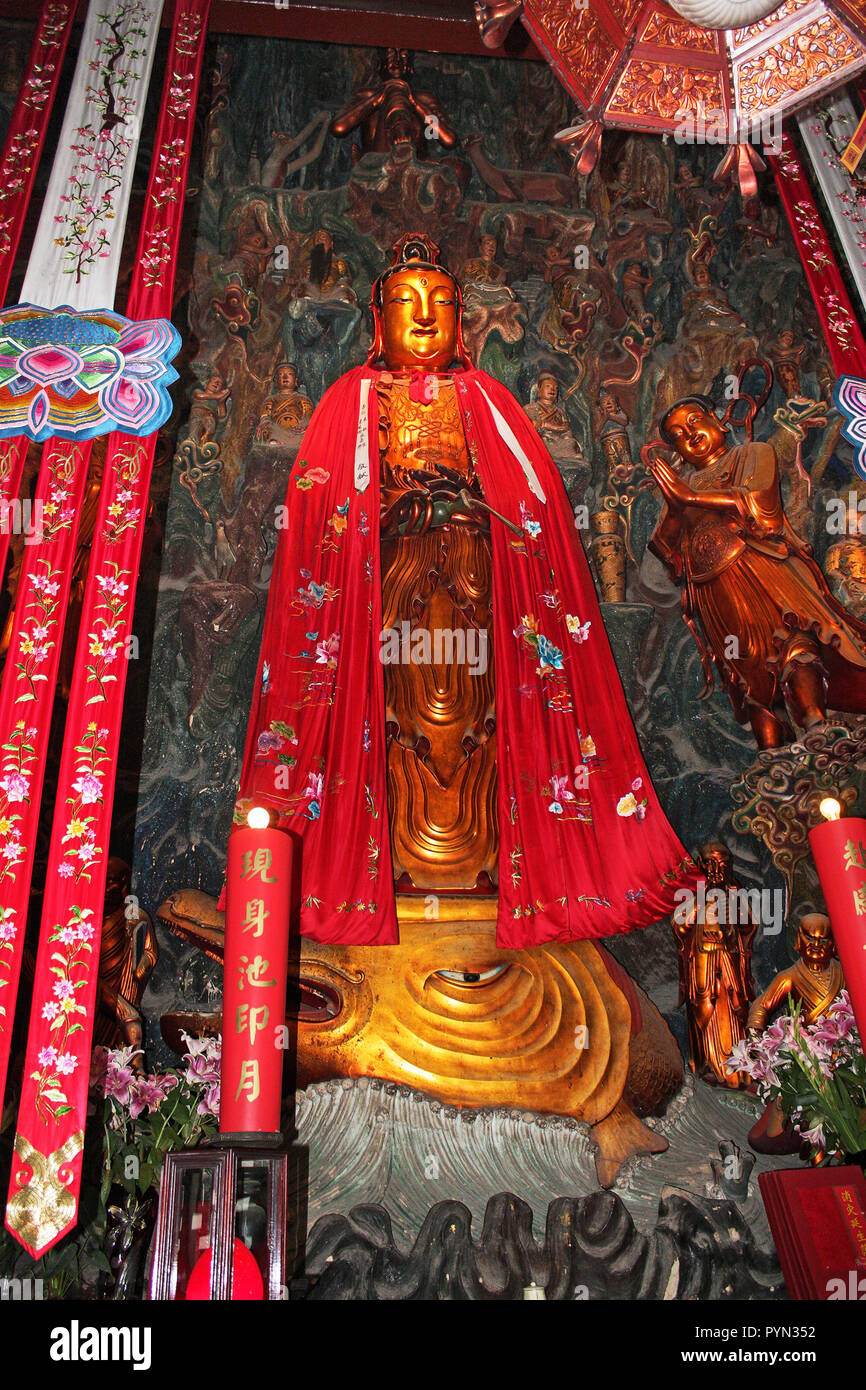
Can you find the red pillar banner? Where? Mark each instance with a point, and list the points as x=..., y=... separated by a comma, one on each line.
x=839, y=850
x=841, y=329
x=258, y=880
x=18, y=164
x=46, y=1166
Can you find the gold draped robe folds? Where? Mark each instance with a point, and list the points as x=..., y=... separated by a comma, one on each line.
x=436, y=585
x=750, y=582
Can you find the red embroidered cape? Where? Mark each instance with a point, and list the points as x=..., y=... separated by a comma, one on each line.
x=585, y=848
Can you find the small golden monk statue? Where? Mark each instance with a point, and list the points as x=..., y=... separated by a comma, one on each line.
x=813, y=982
x=714, y=940
x=783, y=644
x=125, y=963
x=286, y=408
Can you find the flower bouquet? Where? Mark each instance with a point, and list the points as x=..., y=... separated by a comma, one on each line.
x=145, y=1117
x=816, y=1073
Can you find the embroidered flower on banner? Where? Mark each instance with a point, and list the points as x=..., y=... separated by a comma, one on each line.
x=106, y=637
x=33, y=648
x=70, y=965
x=8, y=933
x=76, y=375
x=578, y=630
x=276, y=739
x=529, y=523
x=18, y=755
x=81, y=850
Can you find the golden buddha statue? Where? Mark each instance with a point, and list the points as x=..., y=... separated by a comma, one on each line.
x=454, y=809
x=783, y=644
x=436, y=574
x=426, y=443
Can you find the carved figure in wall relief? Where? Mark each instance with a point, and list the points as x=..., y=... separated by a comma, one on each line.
x=287, y=408
x=489, y=305
x=570, y=313
x=483, y=269
x=323, y=274
x=279, y=163
x=786, y=355
x=209, y=408
x=548, y=416
x=634, y=287
x=390, y=113
x=695, y=200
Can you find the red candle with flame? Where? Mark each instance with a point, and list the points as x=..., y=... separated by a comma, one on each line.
x=839, y=850
x=258, y=881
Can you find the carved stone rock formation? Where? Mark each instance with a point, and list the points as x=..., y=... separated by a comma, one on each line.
x=591, y=1249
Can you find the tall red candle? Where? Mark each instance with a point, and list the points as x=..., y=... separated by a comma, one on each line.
x=839, y=849
x=258, y=880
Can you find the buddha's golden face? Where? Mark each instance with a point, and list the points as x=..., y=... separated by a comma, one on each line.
x=419, y=319
x=697, y=436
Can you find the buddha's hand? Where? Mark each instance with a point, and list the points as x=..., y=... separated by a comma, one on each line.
x=674, y=488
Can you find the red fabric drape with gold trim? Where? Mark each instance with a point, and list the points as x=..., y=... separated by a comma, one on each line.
x=585, y=848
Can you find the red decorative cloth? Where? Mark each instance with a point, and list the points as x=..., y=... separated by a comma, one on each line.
x=585, y=848
x=46, y=1165
x=19, y=161
x=841, y=330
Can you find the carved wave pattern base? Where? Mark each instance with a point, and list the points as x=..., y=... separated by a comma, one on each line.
x=385, y=1163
